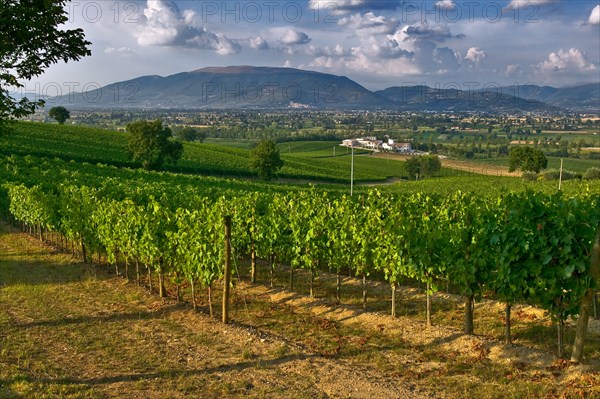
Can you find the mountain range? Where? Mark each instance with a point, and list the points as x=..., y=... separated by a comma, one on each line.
x=246, y=87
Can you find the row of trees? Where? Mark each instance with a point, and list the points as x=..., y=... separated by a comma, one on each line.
x=519, y=247
x=150, y=144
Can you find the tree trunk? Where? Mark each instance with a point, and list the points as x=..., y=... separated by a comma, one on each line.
x=338, y=287
x=394, y=284
x=149, y=278
x=177, y=287
x=312, y=283
x=586, y=303
x=126, y=268
x=210, y=307
x=560, y=329
x=193, y=293
x=469, y=306
x=227, y=270
x=272, y=275
x=292, y=278
x=364, y=293
x=83, y=253
x=162, y=292
x=507, y=334
x=137, y=271
x=252, y=262
x=428, y=306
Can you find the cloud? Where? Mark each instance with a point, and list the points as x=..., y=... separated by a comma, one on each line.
x=343, y=6
x=595, y=16
x=573, y=60
x=119, y=50
x=446, y=58
x=258, y=43
x=369, y=24
x=475, y=55
x=513, y=70
x=162, y=24
x=446, y=5
x=524, y=3
x=293, y=37
x=425, y=31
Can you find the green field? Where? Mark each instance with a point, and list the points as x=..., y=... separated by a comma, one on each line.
x=303, y=160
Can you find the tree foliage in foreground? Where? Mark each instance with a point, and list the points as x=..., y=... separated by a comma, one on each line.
x=149, y=144
x=31, y=42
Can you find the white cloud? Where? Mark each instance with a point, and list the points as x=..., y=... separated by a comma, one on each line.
x=475, y=55
x=258, y=43
x=446, y=5
x=525, y=3
x=595, y=16
x=342, y=6
x=162, y=24
x=337, y=51
x=119, y=50
x=573, y=60
x=369, y=24
x=424, y=31
x=513, y=70
x=293, y=37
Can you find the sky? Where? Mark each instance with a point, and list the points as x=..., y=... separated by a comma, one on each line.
x=439, y=43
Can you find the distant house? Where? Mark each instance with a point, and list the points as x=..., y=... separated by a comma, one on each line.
x=350, y=143
x=372, y=143
x=397, y=147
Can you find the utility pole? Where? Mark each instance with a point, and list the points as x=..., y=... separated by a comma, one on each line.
x=227, y=271
x=560, y=177
x=352, y=173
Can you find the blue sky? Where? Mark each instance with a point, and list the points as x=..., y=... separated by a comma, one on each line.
x=377, y=43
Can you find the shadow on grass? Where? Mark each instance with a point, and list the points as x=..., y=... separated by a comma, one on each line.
x=167, y=374
x=117, y=317
x=6, y=393
x=22, y=270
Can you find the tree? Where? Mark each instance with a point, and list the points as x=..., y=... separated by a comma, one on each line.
x=423, y=166
x=265, y=159
x=190, y=134
x=60, y=114
x=149, y=144
x=31, y=42
x=527, y=159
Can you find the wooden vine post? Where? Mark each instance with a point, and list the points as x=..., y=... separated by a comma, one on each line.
x=227, y=270
x=586, y=304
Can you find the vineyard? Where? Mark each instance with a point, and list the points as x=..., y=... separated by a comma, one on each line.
x=303, y=161
x=498, y=239
x=526, y=246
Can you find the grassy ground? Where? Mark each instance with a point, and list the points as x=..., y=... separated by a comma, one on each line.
x=572, y=164
x=72, y=331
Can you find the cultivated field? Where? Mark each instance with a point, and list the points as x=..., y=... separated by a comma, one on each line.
x=72, y=331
